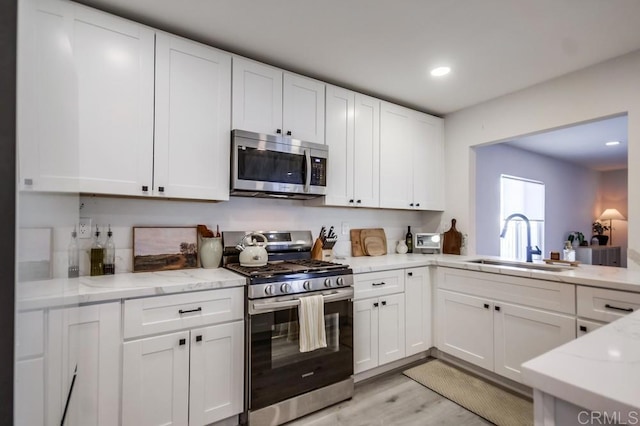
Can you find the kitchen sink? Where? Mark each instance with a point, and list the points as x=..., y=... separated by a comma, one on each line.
x=523, y=265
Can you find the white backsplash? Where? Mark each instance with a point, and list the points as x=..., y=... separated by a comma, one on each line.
x=237, y=214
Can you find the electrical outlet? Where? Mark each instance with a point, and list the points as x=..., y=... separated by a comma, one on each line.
x=345, y=228
x=84, y=227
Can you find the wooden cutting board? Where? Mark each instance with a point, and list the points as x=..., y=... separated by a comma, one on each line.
x=452, y=240
x=376, y=234
x=374, y=246
x=356, y=245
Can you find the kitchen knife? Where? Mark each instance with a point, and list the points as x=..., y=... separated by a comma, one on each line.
x=331, y=234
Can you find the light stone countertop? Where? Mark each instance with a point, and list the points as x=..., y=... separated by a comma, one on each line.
x=599, y=371
x=62, y=292
x=86, y=289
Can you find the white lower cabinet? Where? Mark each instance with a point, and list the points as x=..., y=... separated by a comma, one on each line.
x=192, y=376
x=29, y=368
x=488, y=329
x=85, y=339
x=378, y=329
x=417, y=302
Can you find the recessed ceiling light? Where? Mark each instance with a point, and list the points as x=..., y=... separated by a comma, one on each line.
x=440, y=71
x=612, y=143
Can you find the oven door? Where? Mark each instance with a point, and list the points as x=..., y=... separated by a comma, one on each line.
x=276, y=166
x=278, y=370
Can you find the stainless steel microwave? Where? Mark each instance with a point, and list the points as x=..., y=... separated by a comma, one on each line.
x=277, y=166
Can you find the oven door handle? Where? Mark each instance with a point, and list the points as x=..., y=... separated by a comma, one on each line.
x=274, y=306
x=307, y=174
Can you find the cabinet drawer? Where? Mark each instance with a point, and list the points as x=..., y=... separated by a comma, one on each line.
x=606, y=305
x=535, y=293
x=29, y=334
x=374, y=284
x=161, y=314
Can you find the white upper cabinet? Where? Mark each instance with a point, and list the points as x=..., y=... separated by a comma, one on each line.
x=268, y=100
x=114, y=62
x=47, y=104
x=118, y=111
x=193, y=120
x=412, y=159
x=353, y=137
x=257, y=97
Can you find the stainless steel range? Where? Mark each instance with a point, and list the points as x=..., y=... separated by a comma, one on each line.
x=284, y=383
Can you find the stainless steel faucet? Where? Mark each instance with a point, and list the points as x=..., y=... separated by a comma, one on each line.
x=530, y=251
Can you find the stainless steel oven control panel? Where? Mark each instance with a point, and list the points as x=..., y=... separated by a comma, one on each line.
x=305, y=285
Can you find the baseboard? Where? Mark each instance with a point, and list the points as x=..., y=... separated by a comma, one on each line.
x=490, y=376
x=392, y=366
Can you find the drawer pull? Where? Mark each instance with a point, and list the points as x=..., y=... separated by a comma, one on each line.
x=618, y=309
x=375, y=305
x=183, y=342
x=199, y=338
x=486, y=306
x=410, y=274
x=377, y=284
x=497, y=308
x=190, y=311
x=583, y=328
x=384, y=303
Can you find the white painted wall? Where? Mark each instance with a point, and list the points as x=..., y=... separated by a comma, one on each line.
x=570, y=194
x=603, y=90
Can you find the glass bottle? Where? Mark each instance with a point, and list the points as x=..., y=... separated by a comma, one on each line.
x=97, y=255
x=409, y=240
x=109, y=266
x=72, y=252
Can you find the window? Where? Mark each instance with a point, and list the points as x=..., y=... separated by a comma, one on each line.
x=524, y=196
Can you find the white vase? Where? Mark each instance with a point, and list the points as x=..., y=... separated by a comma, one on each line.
x=210, y=252
x=402, y=248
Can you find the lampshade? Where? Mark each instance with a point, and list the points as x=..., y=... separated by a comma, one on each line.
x=611, y=214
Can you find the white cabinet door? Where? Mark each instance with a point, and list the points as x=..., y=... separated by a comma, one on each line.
x=340, y=139
x=391, y=328
x=353, y=136
x=428, y=162
x=217, y=373
x=365, y=334
x=257, y=97
x=521, y=334
x=303, y=108
x=47, y=98
x=417, y=297
x=192, y=122
x=155, y=384
x=29, y=392
x=465, y=328
x=396, y=162
x=86, y=337
x=366, y=160
x=114, y=62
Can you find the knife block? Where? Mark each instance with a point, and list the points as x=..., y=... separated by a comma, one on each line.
x=327, y=255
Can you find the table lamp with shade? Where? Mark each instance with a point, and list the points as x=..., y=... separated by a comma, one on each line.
x=611, y=214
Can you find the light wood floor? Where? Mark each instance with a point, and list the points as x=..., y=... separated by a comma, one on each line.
x=392, y=399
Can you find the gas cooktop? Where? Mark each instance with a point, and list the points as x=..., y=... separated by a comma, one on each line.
x=300, y=266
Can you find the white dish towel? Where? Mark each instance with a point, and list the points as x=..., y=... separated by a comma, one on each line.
x=311, y=318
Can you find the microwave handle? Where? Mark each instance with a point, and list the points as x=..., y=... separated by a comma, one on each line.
x=307, y=171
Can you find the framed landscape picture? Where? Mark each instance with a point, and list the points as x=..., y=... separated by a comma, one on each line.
x=164, y=248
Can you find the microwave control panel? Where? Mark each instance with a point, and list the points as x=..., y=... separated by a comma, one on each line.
x=318, y=171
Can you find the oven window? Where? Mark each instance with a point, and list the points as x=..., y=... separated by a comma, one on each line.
x=278, y=369
x=285, y=346
x=270, y=166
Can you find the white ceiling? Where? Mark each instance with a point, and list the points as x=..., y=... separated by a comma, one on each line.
x=583, y=144
x=387, y=47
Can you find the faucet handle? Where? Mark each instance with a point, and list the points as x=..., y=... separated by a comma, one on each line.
x=536, y=251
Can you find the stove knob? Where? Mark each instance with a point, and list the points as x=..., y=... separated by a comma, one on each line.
x=285, y=288
x=306, y=285
x=327, y=282
x=340, y=281
x=268, y=290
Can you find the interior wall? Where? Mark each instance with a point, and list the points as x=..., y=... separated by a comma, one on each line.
x=237, y=214
x=569, y=194
x=603, y=90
